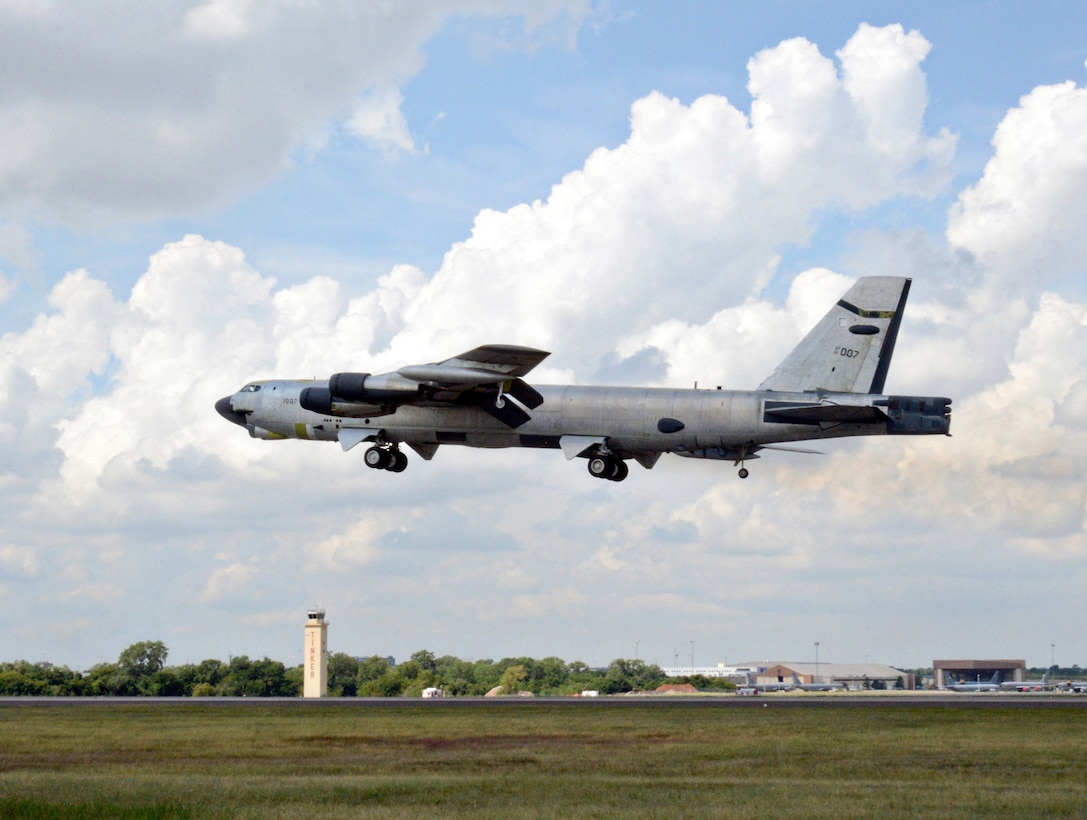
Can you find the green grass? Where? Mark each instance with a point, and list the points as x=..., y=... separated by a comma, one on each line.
x=539, y=760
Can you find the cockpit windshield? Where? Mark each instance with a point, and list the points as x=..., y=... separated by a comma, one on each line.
x=250, y=388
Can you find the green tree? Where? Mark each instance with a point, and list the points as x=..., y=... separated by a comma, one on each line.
x=426, y=660
x=343, y=675
x=104, y=679
x=137, y=666
x=143, y=659
x=625, y=675
x=16, y=682
x=370, y=669
x=512, y=678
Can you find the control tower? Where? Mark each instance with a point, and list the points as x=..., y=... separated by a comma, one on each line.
x=315, y=656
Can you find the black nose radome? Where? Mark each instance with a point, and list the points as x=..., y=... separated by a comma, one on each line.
x=227, y=412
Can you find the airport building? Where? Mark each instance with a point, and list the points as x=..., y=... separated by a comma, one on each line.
x=977, y=671
x=857, y=676
x=853, y=676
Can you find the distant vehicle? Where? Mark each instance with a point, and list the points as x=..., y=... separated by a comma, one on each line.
x=829, y=386
x=1042, y=685
x=830, y=686
x=433, y=692
x=991, y=685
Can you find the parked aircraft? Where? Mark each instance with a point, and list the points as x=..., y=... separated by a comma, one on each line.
x=829, y=686
x=1027, y=685
x=829, y=386
x=991, y=685
x=780, y=686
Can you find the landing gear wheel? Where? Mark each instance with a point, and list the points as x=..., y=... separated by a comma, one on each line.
x=744, y=473
x=378, y=458
x=398, y=462
x=601, y=467
x=613, y=469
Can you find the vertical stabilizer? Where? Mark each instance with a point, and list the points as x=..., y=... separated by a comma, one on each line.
x=850, y=350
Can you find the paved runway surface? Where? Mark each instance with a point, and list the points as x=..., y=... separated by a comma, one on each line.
x=788, y=701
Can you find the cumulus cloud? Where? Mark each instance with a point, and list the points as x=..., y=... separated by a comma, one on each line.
x=1026, y=220
x=188, y=102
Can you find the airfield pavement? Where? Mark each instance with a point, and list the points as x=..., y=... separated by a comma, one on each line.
x=1003, y=700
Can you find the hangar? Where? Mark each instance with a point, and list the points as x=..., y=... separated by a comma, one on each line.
x=969, y=671
x=855, y=676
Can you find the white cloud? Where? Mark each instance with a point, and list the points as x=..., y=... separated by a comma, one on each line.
x=1026, y=219
x=657, y=253
x=203, y=99
x=231, y=581
x=379, y=120
x=19, y=561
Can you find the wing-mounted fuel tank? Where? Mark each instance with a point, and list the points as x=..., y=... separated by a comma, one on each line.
x=359, y=395
x=917, y=415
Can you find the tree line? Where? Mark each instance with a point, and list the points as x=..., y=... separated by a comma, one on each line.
x=141, y=670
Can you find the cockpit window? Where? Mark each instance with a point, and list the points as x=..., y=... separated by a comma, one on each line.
x=250, y=388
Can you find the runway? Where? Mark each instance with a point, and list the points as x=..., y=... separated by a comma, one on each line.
x=832, y=700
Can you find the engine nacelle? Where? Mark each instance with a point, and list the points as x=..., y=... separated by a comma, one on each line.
x=359, y=395
x=389, y=388
x=918, y=415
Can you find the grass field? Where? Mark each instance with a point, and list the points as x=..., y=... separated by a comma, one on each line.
x=540, y=760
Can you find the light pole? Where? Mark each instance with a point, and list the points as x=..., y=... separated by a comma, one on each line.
x=636, y=650
x=817, y=661
x=692, y=657
x=1052, y=657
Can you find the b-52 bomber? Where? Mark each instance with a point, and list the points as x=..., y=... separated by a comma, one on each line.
x=829, y=386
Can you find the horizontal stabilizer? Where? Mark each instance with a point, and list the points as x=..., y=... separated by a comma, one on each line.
x=790, y=413
x=782, y=449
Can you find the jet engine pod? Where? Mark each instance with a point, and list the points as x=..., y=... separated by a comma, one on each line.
x=389, y=388
x=316, y=400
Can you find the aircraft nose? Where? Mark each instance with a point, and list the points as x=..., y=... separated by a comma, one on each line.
x=227, y=411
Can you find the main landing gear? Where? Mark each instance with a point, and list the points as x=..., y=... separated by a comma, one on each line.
x=609, y=467
x=385, y=457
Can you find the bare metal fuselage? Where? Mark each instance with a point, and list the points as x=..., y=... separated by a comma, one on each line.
x=829, y=386
x=634, y=420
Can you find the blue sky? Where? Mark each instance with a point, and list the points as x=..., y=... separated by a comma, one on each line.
x=360, y=188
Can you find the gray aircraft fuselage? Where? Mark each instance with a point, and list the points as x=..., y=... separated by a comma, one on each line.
x=722, y=424
x=829, y=386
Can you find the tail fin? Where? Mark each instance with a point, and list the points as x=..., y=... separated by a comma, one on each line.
x=850, y=350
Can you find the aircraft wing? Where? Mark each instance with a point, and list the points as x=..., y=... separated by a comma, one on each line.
x=482, y=377
x=509, y=360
